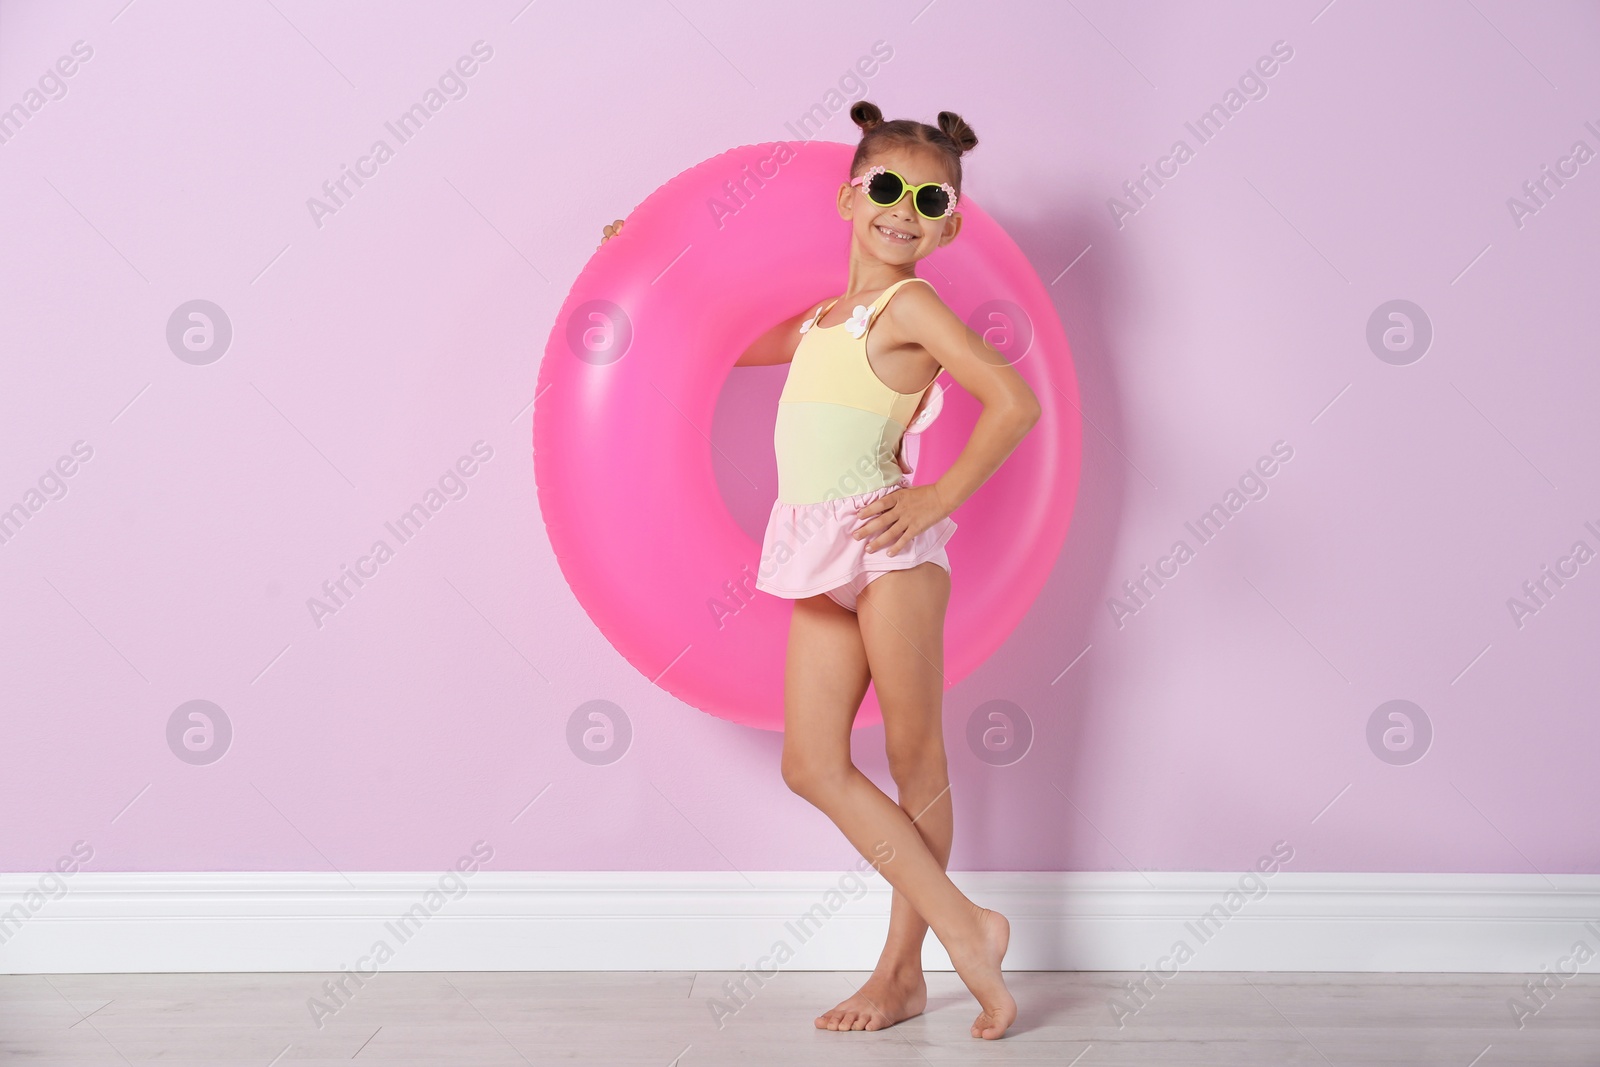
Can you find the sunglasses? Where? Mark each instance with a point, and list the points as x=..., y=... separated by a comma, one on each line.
x=933, y=200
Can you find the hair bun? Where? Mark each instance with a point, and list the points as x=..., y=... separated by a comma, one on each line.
x=865, y=114
x=956, y=128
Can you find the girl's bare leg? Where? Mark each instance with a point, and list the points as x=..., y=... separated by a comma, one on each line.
x=898, y=642
x=914, y=737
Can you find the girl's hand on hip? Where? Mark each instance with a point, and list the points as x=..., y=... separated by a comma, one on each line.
x=895, y=518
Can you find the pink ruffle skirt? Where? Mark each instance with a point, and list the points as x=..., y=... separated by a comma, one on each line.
x=808, y=548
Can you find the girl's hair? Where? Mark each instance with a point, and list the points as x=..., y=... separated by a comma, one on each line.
x=950, y=138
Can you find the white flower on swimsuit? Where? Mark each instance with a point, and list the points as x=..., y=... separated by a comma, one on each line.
x=857, y=323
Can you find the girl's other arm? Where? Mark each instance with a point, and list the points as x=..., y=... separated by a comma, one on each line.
x=777, y=345
x=1010, y=407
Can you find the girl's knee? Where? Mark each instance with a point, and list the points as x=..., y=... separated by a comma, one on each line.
x=918, y=765
x=811, y=776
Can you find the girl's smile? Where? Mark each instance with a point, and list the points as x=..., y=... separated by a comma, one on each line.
x=903, y=234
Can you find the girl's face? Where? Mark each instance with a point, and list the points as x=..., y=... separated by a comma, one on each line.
x=899, y=234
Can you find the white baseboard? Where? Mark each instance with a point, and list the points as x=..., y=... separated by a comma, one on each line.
x=320, y=922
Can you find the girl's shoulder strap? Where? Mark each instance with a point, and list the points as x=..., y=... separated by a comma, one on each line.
x=822, y=309
x=883, y=298
x=914, y=278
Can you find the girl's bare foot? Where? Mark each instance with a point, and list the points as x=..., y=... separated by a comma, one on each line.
x=885, y=999
x=978, y=964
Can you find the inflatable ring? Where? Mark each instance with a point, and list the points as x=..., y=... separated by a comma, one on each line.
x=636, y=360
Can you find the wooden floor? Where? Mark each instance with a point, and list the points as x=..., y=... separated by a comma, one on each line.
x=659, y=1018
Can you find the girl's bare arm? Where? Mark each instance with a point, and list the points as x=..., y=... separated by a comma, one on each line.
x=1010, y=407
x=777, y=345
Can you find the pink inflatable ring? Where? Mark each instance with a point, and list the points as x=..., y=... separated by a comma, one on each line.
x=631, y=375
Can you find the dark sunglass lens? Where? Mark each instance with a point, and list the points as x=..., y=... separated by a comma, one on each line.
x=885, y=189
x=932, y=201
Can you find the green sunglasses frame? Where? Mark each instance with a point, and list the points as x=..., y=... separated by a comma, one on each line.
x=906, y=187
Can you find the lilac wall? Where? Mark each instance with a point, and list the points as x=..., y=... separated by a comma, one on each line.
x=373, y=347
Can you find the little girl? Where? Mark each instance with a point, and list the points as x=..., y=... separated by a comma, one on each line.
x=860, y=550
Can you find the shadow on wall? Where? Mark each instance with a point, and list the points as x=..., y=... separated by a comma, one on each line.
x=1040, y=668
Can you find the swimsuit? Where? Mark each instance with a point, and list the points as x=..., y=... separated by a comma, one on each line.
x=838, y=442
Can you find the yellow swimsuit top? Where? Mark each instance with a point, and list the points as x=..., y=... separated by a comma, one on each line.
x=839, y=426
